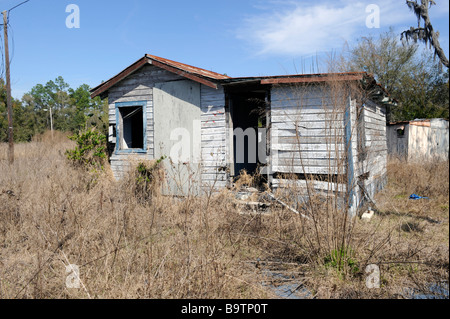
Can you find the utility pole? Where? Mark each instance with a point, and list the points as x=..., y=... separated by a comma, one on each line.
x=8, y=91
x=51, y=119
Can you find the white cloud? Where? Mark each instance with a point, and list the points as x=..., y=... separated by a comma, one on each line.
x=305, y=28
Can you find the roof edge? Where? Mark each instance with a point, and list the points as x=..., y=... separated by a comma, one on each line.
x=105, y=86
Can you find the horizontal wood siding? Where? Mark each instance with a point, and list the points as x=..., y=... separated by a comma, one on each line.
x=307, y=135
x=375, y=164
x=300, y=186
x=120, y=164
x=214, y=138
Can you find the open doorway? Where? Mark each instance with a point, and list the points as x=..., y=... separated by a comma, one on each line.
x=248, y=117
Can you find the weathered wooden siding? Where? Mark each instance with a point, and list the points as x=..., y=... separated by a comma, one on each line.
x=214, y=138
x=313, y=134
x=428, y=142
x=137, y=87
x=307, y=133
x=374, y=166
x=397, y=144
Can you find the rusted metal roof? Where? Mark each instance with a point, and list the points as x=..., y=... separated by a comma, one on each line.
x=368, y=79
x=189, y=68
x=298, y=78
x=426, y=123
x=213, y=79
x=200, y=75
x=416, y=122
x=398, y=123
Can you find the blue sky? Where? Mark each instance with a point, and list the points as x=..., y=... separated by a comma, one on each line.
x=240, y=38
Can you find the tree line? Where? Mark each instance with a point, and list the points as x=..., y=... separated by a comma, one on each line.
x=72, y=110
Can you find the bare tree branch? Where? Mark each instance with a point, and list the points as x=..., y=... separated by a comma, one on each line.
x=426, y=33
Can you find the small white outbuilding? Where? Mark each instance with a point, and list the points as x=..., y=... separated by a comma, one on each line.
x=419, y=139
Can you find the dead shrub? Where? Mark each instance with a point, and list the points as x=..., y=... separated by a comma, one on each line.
x=244, y=179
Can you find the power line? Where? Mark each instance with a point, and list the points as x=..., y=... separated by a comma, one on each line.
x=13, y=9
x=3, y=61
x=17, y=6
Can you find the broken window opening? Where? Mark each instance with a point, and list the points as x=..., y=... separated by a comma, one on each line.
x=131, y=130
x=401, y=132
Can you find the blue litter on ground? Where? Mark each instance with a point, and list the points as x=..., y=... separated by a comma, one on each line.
x=415, y=196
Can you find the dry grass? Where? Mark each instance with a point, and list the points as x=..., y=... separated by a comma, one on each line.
x=407, y=239
x=124, y=248
x=53, y=215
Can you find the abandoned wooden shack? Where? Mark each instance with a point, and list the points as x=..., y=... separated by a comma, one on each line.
x=328, y=130
x=419, y=140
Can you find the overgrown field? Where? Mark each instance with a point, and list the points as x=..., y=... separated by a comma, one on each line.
x=130, y=241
